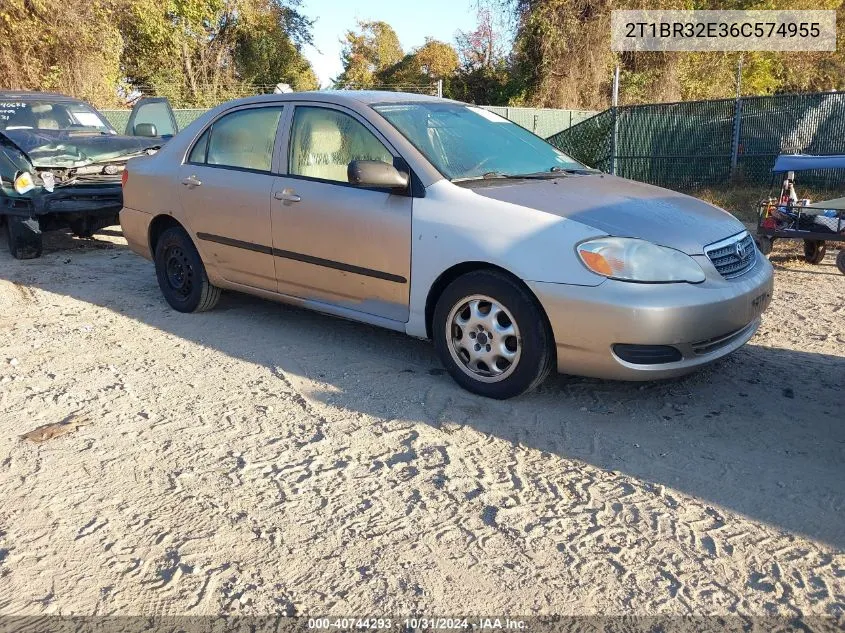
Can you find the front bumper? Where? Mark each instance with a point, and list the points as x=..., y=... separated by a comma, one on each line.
x=703, y=321
x=91, y=200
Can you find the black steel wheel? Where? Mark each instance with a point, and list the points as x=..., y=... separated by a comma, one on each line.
x=181, y=274
x=814, y=251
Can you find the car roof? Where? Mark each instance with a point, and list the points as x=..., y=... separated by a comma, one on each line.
x=367, y=97
x=28, y=95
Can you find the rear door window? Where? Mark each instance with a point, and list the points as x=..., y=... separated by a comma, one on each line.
x=243, y=139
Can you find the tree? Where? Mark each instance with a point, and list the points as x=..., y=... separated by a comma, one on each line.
x=201, y=52
x=485, y=75
x=423, y=66
x=436, y=59
x=71, y=46
x=372, y=49
x=483, y=47
x=268, y=47
x=562, y=57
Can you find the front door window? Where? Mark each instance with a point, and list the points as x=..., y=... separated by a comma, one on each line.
x=325, y=141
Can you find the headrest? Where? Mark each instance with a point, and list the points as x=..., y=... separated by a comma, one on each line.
x=325, y=137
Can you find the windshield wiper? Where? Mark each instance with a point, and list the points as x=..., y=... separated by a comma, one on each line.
x=554, y=172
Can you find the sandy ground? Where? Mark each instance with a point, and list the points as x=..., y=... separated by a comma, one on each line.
x=260, y=459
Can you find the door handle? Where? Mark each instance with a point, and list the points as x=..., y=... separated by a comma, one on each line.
x=287, y=195
x=191, y=182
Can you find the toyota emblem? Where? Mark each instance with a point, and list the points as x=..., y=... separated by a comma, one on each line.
x=740, y=250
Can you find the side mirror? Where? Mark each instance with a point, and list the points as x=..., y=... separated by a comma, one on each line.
x=145, y=129
x=374, y=173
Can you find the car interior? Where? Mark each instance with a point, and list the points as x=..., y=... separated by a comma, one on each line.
x=39, y=116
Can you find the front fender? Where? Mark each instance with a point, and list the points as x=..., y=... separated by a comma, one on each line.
x=452, y=225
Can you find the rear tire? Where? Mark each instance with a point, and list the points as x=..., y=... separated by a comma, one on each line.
x=764, y=243
x=23, y=236
x=181, y=274
x=88, y=225
x=814, y=251
x=840, y=261
x=82, y=228
x=488, y=311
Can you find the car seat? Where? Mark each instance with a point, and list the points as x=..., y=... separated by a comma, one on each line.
x=319, y=154
x=45, y=116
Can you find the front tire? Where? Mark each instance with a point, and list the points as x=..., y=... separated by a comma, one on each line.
x=23, y=235
x=181, y=274
x=840, y=261
x=814, y=251
x=492, y=336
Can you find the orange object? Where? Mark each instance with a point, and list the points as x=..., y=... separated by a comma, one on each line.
x=597, y=263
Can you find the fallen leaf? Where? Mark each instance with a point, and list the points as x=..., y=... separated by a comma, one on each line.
x=56, y=429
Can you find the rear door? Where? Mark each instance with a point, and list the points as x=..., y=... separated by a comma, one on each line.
x=152, y=117
x=226, y=187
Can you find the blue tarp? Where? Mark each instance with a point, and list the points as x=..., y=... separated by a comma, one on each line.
x=804, y=162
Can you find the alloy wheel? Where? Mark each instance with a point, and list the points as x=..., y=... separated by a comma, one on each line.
x=483, y=338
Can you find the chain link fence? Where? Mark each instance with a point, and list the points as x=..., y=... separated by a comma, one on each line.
x=706, y=143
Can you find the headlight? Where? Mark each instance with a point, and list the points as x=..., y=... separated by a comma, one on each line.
x=630, y=259
x=24, y=182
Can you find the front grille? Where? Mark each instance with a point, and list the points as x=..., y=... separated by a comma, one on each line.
x=734, y=256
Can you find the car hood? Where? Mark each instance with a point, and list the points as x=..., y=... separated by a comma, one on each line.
x=62, y=149
x=620, y=207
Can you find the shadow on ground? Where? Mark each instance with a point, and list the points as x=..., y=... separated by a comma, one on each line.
x=761, y=433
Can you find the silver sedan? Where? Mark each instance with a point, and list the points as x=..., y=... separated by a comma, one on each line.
x=444, y=221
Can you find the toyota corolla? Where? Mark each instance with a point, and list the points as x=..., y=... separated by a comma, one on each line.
x=444, y=221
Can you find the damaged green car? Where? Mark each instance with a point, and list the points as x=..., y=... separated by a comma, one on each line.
x=61, y=164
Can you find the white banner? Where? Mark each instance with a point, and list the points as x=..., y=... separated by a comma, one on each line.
x=652, y=30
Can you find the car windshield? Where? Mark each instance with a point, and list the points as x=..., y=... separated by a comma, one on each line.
x=465, y=142
x=47, y=115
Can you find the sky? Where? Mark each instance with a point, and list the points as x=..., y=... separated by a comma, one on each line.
x=412, y=21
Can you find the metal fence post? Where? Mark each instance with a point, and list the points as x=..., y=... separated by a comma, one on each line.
x=735, y=139
x=614, y=120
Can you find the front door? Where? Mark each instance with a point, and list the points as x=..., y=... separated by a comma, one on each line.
x=153, y=117
x=226, y=188
x=334, y=242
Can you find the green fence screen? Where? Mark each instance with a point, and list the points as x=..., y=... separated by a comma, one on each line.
x=705, y=143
